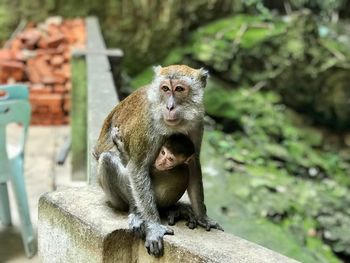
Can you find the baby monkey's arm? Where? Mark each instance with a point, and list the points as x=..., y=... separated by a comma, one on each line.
x=118, y=141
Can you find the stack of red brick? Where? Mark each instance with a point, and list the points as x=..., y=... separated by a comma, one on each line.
x=40, y=56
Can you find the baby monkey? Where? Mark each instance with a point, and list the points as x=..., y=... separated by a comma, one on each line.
x=169, y=174
x=177, y=149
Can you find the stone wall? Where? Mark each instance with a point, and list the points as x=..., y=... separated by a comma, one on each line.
x=76, y=225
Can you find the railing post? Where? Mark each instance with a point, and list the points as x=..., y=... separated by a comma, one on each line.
x=101, y=91
x=101, y=97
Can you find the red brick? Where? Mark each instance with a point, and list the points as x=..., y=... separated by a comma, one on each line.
x=16, y=44
x=48, y=52
x=5, y=54
x=11, y=69
x=32, y=71
x=49, y=119
x=67, y=103
x=40, y=89
x=4, y=75
x=17, y=75
x=48, y=79
x=57, y=60
x=18, y=55
x=10, y=64
x=46, y=103
x=55, y=40
x=59, y=78
x=68, y=86
x=66, y=70
x=67, y=55
x=68, y=34
x=49, y=72
x=53, y=29
x=30, y=37
x=43, y=43
x=80, y=35
x=58, y=88
x=44, y=70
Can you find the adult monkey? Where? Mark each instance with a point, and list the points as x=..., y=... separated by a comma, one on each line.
x=172, y=103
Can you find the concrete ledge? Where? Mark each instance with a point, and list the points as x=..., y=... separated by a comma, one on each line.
x=76, y=225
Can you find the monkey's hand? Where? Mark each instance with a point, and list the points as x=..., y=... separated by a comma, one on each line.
x=208, y=223
x=119, y=143
x=154, y=238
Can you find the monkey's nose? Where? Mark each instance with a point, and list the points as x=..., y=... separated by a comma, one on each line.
x=170, y=107
x=170, y=104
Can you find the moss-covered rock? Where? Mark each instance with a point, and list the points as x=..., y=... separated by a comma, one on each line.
x=310, y=71
x=281, y=170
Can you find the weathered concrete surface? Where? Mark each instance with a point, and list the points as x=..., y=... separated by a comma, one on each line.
x=76, y=225
x=101, y=97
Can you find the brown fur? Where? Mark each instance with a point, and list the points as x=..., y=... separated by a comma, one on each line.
x=135, y=103
x=178, y=71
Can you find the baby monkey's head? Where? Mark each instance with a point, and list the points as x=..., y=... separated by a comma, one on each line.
x=177, y=149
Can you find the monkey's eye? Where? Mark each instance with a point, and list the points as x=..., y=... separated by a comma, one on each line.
x=170, y=159
x=162, y=152
x=179, y=89
x=165, y=88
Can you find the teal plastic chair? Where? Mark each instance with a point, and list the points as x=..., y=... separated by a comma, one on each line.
x=15, y=108
x=14, y=92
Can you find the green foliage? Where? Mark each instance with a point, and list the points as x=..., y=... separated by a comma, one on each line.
x=289, y=54
x=232, y=211
x=146, y=29
x=7, y=22
x=325, y=8
x=278, y=172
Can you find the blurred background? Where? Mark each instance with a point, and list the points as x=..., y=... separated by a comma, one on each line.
x=276, y=150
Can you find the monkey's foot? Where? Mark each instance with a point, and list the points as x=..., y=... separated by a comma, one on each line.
x=154, y=238
x=182, y=211
x=208, y=223
x=136, y=225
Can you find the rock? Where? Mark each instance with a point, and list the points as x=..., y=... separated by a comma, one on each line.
x=309, y=71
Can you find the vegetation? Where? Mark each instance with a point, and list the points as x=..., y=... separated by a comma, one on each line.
x=284, y=172
x=294, y=55
x=146, y=30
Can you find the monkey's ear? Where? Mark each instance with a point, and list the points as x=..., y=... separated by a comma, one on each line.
x=203, y=76
x=157, y=70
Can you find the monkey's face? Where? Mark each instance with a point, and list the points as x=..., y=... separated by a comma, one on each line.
x=176, y=97
x=167, y=160
x=173, y=94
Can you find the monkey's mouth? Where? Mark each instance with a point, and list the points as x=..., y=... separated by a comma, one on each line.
x=172, y=122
